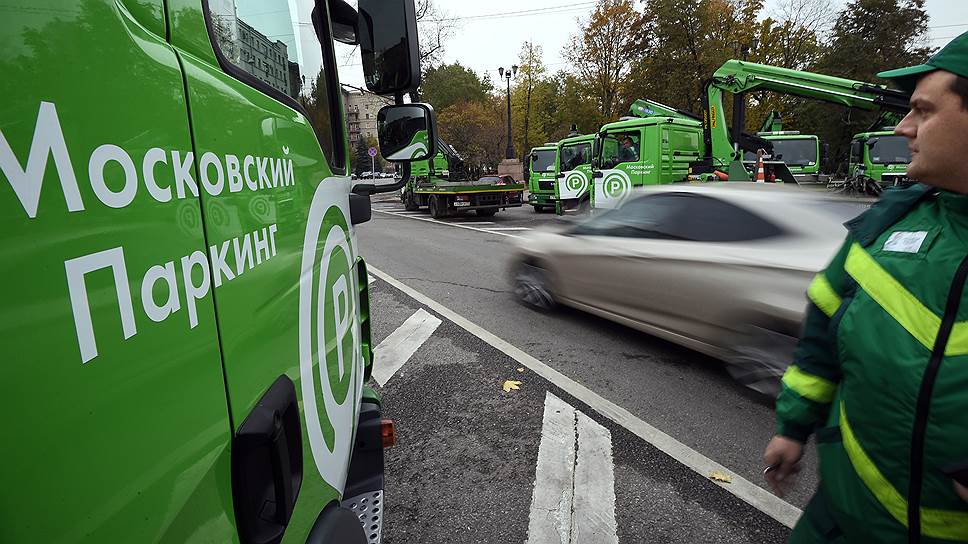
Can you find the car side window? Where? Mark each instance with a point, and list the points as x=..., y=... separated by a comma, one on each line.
x=643, y=217
x=284, y=49
x=706, y=219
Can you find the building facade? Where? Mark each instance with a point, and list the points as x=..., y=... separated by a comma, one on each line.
x=266, y=59
x=361, y=111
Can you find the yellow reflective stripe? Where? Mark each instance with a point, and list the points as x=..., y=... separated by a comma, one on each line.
x=897, y=301
x=946, y=524
x=958, y=341
x=809, y=386
x=823, y=295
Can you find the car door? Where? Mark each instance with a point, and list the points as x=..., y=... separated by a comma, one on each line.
x=113, y=393
x=696, y=277
x=271, y=164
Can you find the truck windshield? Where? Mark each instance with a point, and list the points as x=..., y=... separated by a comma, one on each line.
x=890, y=150
x=574, y=155
x=796, y=151
x=544, y=160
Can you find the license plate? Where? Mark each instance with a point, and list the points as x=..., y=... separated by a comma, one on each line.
x=460, y=203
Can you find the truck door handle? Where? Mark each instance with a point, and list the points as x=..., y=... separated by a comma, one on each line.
x=597, y=174
x=560, y=176
x=267, y=465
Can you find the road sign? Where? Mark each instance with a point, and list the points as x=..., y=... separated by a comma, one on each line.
x=372, y=152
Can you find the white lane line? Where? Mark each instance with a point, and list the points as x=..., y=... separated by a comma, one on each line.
x=552, y=499
x=370, y=279
x=448, y=224
x=752, y=494
x=574, y=485
x=395, y=350
x=475, y=223
x=506, y=228
x=593, y=514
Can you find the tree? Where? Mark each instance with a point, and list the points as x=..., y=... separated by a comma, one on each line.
x=434, y=28
x=603, y=52
x=869, y=36
x=476, y=130
x=446, y=85
x=360, y=158
x=531, y=69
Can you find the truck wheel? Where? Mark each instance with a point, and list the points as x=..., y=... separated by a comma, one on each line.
x=488, y=212
x=584, y=206
x=410, y=202
x=532, y=287
x=436, y=207
x=538, y=209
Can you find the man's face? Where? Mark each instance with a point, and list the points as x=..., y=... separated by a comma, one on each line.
x=626, y=143
x=935, y=128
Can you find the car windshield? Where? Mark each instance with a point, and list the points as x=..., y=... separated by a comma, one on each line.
x=796, y=151
x=889, y=150
x=544, y=160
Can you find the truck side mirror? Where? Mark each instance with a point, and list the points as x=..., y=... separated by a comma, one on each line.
x=344, y=21
x=388, y=45
x=408, y=132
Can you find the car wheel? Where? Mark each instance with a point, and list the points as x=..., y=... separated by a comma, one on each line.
x=436, y=210
x=760, y=357
x=489, y=212
x=532, y=287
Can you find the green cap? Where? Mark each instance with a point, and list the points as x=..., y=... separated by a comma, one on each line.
x=953, y=58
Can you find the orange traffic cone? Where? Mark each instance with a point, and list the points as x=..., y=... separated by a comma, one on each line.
x=760, y=171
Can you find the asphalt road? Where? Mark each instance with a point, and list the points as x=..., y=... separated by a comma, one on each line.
x=466, y=460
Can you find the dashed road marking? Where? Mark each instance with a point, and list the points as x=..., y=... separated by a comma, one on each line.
x=457, y=225
x=574, y=483
x=395, y=350
x=752, y=494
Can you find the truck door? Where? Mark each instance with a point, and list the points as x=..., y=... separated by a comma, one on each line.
x=620, y=167
x=271, y=164
x=113, y=394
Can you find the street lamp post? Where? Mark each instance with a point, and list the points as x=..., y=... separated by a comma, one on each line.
x=508, y=74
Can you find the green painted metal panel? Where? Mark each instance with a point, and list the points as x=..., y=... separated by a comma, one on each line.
x=117, y=423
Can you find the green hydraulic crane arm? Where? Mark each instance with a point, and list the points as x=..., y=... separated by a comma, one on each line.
x=773, y=122
x=740, y=77
x=644, y=107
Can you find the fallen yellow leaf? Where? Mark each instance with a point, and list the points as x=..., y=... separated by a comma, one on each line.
x=720, y=477
x=521, y=369
x=511, y=384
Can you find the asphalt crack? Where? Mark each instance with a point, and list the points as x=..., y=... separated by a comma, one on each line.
x=455, y=284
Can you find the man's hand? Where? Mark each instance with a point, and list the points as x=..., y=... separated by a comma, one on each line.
x=782, y=459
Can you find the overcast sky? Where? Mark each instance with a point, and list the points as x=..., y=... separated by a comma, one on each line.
x=490, y=34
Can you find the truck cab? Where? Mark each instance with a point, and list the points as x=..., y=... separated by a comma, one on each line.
x=186, y=317
x=802, y=153
x=574, y=173
x=641, y=151
x=880, y=155
x=541, y=172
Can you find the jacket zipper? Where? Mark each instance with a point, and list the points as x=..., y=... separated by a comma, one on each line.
x=924, y=401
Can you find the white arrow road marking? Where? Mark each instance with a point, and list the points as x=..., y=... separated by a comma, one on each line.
x=574, y=484
x=752, y=494
x=370, y=279
x=395, y=350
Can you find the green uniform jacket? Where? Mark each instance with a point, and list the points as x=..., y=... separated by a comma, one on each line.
x=881, y=373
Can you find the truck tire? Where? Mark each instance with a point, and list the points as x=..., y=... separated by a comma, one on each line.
x=538, y=209
x=410, y=202
x=487, y=212
x=436, y=207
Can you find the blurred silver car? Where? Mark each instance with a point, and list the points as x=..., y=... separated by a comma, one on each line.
x=719, y=268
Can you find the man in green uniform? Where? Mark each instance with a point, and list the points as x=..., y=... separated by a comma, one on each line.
x=880, y=376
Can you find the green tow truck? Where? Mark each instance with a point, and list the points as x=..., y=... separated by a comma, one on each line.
x=803, y=154
x=881, y=156
x=574, y=173
x=186, y=317
x=541, y=170
x=725, y=146
x=655, y=147
x=437, y=184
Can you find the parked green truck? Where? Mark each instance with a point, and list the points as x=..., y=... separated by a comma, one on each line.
x=573, y=173
x=185, y=318
x=881, y=156
x=540, y=171
x=441, y=185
